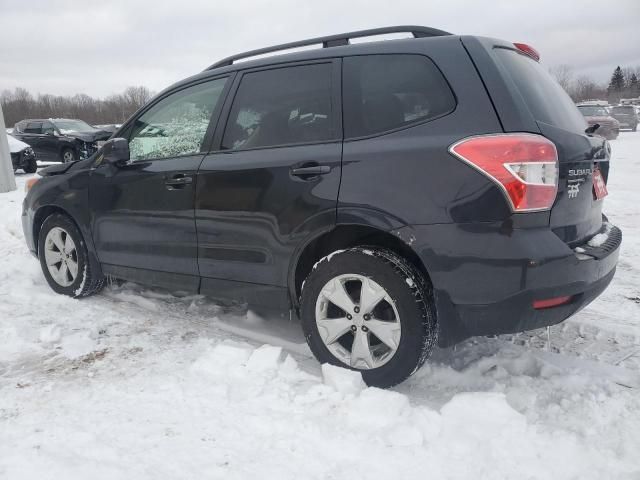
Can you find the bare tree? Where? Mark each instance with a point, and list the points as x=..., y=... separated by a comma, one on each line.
x=564, y=76
x=20, y=104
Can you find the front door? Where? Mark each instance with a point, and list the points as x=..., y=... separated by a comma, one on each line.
x=273, y=181
x=49, y=142
x=143, y=212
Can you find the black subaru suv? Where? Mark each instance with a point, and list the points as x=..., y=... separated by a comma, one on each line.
x=393, y=195
x=60, y=139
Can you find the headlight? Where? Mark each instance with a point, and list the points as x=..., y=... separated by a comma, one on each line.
x=29, y=151
x=31, y=182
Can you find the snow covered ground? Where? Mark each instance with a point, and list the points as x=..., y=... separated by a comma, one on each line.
x=137, y=383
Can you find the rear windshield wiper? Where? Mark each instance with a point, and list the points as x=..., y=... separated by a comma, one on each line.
x=592, y=128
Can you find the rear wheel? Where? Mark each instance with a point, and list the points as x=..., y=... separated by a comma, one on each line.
x=634, y=128
x=369, y=310
x=64, y=258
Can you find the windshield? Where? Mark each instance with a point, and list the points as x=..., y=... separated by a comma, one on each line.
x=67, y=126
x=622, y=110
x=589, y=111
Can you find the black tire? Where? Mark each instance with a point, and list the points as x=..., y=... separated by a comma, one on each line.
x=407, y=288
x=68, y=155
x=635, y=128
x=31, y=166
x=86, y=282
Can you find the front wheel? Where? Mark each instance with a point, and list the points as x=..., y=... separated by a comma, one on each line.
x=31, y=166
x=67, y=155
x=369, y=310
x=64, y=258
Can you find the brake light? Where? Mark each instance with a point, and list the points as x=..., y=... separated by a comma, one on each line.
x=551, y=302
x=523, y=165
x=528, y=50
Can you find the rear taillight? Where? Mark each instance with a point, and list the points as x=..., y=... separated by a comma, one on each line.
x=523, y=165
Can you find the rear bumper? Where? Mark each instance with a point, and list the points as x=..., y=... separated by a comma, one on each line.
x=486, y=278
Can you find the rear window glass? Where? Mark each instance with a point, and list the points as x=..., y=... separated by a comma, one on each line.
x=589, y=111
x=383, y=92
x=546, y=99
x=629, y=110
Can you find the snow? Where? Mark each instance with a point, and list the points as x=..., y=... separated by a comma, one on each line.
x=599, y=239
x=16, y=145
x=139, y=383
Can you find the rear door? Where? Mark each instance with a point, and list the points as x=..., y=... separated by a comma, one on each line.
x=273, y=179
x=32, y=135
x=143, y=213
x=528, y=99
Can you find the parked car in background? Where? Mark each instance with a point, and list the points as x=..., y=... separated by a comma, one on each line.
x=626, y=115
x=395, y=195
x=110, y=127
x=60, y=139
x=22, y=156
x=609, y=127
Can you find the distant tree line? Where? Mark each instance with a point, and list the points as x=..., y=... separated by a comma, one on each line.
x=624, y=83
x=20, y=104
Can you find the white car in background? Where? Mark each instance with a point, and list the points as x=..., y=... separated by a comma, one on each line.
x=22, y=155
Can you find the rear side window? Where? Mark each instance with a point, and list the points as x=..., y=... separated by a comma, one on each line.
x=546, y=99
x=281, y=107
x=384, y=92
x=33, y=127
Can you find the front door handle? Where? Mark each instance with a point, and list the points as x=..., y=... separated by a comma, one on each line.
x=179, y=180
x=311, y=171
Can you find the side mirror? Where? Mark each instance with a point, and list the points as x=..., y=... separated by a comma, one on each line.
x=116, y=151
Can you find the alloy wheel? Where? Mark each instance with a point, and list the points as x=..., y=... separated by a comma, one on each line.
x=358, y=321
x=61, y=256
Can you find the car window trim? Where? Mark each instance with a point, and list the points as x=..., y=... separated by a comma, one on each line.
x=127, y=127
x=407, y=125
x=336, y=105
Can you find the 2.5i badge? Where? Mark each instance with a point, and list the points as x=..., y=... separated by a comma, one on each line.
x=599, y=187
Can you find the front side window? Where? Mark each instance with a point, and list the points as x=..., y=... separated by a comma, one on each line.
x=47, y=128
x=384, y=92
x=177, y=124
x=283, y=106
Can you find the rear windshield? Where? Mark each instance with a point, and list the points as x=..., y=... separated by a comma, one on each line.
x=593, y=111
x=546, y=99
x=622, y=110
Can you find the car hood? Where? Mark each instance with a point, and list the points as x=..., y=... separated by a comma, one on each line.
x=89, y=136
x=15, y=145
x=61, y=168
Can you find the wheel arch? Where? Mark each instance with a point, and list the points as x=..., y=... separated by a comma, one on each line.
x=344, y=236
x=45, y=211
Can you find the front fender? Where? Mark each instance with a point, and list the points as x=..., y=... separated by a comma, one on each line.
x=69, y=193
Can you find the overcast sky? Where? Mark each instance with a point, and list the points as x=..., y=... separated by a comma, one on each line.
x=101, y=47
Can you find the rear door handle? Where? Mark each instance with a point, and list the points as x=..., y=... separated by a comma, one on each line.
x=179, y=180
x=311, y=171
